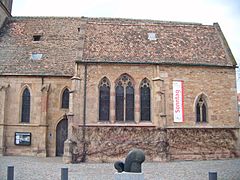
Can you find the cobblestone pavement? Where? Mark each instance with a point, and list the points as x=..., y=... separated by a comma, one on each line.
x=34, y=168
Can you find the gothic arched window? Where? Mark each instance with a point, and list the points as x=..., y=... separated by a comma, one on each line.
x=65, y=99
x=124, y=99
x=26, y=102
x=145, y=96
x=201, y=109
x=104, y=99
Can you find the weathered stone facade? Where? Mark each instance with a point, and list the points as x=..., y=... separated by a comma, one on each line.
x=202, y=143
x=161, y=139
x=111, y=143
x=196, y=81
x=45, y=114
x=77, y=53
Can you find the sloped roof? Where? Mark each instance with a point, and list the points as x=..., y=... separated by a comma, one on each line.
x=59, y=46
x=122, y=40
x=65, y=41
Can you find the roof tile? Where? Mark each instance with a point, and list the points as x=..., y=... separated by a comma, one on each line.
x=67, y=40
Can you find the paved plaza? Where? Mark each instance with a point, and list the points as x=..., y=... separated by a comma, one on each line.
x=34, y=168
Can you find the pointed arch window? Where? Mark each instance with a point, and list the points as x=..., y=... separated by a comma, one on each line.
x=145, y=96
x=124, y=99
x=65, y=99
x=104, y=99
x=26, y=103
x=201, y=109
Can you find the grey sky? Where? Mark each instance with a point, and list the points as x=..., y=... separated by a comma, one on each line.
x=225, y=12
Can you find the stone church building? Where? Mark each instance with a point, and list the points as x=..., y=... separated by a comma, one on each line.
x=91, y=89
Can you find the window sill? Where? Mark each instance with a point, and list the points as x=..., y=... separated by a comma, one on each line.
x=102, y=124
x=201, y=123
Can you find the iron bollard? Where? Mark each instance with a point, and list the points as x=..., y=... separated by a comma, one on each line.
x=10, y=173
x=212, y=175
x=64, y=174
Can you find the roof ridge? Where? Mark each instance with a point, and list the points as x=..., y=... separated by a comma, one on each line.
x=44, y=17
x=132, y=20
x=109, y=19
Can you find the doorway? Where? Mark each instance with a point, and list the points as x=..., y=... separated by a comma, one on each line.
x=61, y=136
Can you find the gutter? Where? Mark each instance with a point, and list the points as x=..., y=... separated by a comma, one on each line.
x=34, y=75
x=155, y=63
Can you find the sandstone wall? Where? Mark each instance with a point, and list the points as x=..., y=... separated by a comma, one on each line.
x=111, y=140
x=108, y=144
x=218, y=84
x=202, y=144
x=45, y=113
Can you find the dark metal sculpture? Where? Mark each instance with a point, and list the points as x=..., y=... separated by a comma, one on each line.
x=133, y=162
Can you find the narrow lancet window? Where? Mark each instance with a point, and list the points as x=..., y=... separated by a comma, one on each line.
x=201, y=109
x=145, y=96
x=65, y=99
x=104, y=99
x=119, y=102
x=26, y=102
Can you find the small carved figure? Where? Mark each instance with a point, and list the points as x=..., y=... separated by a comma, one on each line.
x=132, y=163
